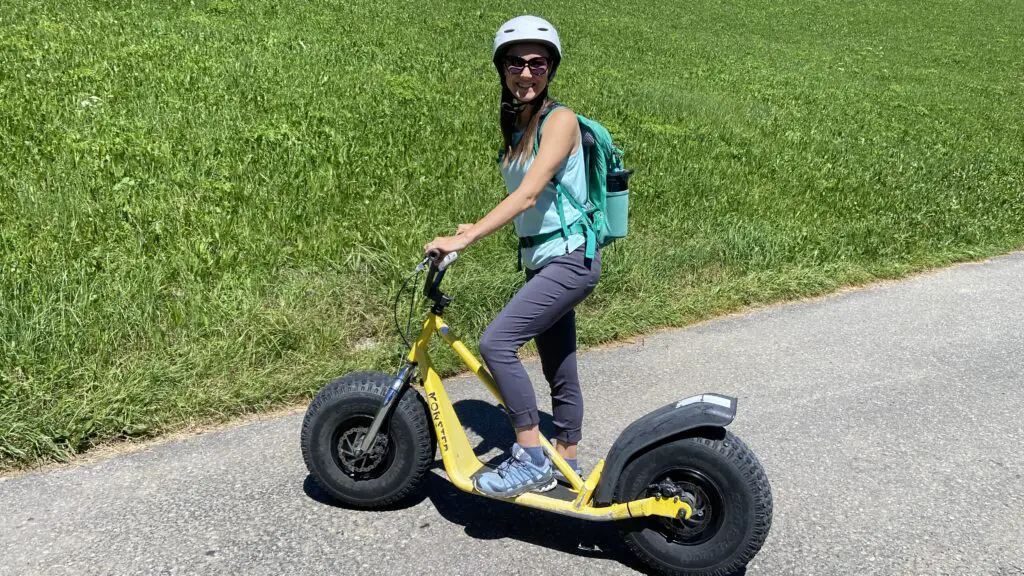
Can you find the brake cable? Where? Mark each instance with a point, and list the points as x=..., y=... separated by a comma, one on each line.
x=412, y=303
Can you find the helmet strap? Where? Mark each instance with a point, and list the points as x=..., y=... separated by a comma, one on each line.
x=513, y=107
x=517, y=107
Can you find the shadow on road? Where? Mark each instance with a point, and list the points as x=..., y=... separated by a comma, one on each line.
x=490, y=423
x=488, y=519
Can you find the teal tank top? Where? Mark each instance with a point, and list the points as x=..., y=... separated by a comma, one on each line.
x=543, y=217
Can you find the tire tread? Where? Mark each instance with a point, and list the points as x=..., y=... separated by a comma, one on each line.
x=737, y=452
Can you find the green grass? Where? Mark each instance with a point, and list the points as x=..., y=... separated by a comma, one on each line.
x=207, y=207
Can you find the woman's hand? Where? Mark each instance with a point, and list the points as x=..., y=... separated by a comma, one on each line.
x=446, y=244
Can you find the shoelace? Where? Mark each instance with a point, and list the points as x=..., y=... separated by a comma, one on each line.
x=514, y=468
x=503, y=468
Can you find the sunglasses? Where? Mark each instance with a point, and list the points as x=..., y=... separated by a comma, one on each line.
x=538, y=66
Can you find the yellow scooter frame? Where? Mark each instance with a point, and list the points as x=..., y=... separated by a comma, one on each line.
x=461, y=463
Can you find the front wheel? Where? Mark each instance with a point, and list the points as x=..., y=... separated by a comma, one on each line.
x=732, y=506
x=337, y=421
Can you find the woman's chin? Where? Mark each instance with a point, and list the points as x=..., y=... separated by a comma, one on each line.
x=526, y=97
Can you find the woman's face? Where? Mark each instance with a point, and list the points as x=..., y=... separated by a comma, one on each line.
x=527, y=67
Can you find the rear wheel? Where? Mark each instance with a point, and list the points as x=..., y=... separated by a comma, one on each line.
x=337, y=421
x=731, y=498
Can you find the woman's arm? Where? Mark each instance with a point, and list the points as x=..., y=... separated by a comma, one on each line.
x=561, y=132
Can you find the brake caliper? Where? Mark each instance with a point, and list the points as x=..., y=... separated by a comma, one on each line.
x=670, y=490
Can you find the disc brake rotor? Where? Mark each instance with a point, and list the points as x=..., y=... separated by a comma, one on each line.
x=706, y=517
x=367, y=461
x=690, y=529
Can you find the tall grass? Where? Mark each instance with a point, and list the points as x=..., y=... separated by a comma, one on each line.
x=206, y=207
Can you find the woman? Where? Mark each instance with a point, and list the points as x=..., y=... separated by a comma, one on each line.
x=526, y=53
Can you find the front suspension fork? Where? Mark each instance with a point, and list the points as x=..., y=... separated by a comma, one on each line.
x=390, y=397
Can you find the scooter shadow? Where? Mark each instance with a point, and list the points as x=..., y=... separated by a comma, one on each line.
x=487, y=519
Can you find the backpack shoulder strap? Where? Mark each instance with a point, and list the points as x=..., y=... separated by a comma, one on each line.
x=540, y=126
x=588, y=227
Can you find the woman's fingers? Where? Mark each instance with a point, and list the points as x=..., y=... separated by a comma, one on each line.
x=431, y=247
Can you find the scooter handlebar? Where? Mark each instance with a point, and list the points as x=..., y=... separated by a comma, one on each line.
x=445, y=262
x=437, y=269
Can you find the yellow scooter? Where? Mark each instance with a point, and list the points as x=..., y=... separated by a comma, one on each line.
x=688, y=497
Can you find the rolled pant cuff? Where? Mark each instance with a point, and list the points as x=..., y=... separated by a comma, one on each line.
x=569, y=436
x=526, y=419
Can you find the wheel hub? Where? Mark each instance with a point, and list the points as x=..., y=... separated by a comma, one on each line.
x=702, y=514
x=353, y=464
x=705, y=501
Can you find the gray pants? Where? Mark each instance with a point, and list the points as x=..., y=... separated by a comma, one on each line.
x=543, y=309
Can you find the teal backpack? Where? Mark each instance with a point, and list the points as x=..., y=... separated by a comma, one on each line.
x=606, y=215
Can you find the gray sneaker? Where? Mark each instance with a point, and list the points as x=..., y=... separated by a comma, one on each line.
x=516, y=475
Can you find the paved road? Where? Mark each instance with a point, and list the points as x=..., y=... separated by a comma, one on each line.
x=889, y=420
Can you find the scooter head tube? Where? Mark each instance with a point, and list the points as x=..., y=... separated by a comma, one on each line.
x=667, y=422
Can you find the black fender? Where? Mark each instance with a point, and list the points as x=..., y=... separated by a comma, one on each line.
x=703, y=410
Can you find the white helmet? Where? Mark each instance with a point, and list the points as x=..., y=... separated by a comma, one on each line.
x=527, y=29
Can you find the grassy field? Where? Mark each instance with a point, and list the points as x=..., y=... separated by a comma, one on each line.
x=206, y=207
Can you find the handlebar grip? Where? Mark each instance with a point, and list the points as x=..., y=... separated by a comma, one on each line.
x=451, y=257
x=433, y=255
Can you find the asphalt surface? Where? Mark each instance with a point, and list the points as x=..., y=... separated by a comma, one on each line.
x=889, y=420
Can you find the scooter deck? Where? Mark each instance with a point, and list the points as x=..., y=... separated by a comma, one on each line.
x=561, y=492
